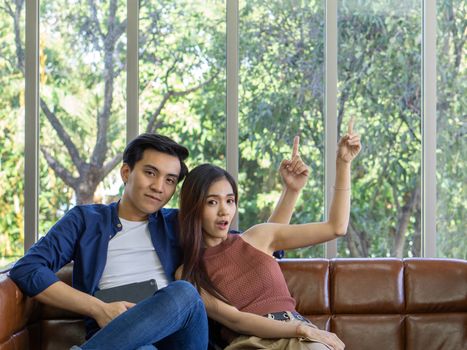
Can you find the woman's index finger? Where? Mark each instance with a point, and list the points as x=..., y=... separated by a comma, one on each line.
x=296, y=141
x=350, y=126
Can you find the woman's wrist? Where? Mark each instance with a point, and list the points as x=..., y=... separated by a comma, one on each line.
x=340, y=161
x=300, y=331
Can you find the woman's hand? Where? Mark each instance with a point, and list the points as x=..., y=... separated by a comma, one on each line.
x=314, y=334
x=349, y=144
x=294, y=172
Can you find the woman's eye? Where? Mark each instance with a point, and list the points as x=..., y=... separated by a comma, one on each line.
x=211, y=202
x=230, y=201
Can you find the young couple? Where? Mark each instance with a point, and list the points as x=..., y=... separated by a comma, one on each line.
x=136, y=239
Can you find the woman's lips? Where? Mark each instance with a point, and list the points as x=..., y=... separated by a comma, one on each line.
x=222, y=224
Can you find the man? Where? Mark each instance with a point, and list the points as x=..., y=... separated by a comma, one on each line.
x=130, y=241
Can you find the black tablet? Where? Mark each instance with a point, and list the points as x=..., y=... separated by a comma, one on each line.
x=133, y=292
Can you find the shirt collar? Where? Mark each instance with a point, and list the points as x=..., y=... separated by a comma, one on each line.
x=116, y=221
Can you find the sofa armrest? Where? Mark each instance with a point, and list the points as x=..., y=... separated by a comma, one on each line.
x=16, y=309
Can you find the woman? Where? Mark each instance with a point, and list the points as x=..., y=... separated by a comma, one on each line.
x=240, y=282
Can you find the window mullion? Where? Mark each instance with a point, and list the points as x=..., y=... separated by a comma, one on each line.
x=132, y=72
x=232, y=152
x=330, y=114
x=31, y=129
x=429, y=129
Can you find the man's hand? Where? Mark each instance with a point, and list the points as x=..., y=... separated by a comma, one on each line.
x=349, y=144
x=109, y=311
x=294, y=172
x=314, y=334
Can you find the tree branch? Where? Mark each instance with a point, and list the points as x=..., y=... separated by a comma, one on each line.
x=113, y=34
x=16, y=15
x=60, y=170
x=100, y=148
x=110, y=165
x=357, y=242
x=403, y=220
x=63, y=135
x=199, y=86
x=7, y=8
x=94, y=19
x=458, y=40
x=120, y=29
x=172, y=93
x=152, y=119
x=169, y=70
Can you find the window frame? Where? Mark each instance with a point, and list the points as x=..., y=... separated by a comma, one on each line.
x=31, y=191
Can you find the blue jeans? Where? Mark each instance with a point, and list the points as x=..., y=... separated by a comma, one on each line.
x=173, y=318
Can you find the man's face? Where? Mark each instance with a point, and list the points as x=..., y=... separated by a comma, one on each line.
x=149, y=186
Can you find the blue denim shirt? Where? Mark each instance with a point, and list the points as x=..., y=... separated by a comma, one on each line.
x=83, y=236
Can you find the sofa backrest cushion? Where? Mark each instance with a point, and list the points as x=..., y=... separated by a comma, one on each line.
x=412, y=304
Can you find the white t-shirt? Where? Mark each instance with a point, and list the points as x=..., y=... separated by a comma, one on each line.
x=131, y=257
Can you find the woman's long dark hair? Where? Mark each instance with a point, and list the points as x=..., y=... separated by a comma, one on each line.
x=192, y=201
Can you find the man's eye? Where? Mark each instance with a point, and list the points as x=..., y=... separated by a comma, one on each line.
x=150, y=173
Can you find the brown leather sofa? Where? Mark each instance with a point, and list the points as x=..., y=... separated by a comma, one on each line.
x=382, y=304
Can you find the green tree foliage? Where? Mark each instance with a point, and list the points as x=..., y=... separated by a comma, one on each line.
x=380, y=82
x=182, y=74
x=451, y=129
x=281, y=95
x=182, y=94
x=11, y=138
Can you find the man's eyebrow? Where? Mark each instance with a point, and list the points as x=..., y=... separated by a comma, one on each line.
x=152, y=167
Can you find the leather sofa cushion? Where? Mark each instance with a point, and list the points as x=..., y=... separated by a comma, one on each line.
x=435, y=286
x=312, y=297
x=61, y=334
x=354, y=282
x=370, y=332
x=436, y=331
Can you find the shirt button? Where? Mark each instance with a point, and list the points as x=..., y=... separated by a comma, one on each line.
x=119, y=225
x=110, y=236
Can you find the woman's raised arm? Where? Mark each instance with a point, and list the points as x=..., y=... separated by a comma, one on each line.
x=272, y=237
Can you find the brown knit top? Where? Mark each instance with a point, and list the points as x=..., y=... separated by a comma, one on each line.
x=249, y=279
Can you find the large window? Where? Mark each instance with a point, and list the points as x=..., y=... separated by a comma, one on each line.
x=379, y=67
x=82, y=52
x=182, y=73
x=11, y=131
x=281, y=95
x=451, y=175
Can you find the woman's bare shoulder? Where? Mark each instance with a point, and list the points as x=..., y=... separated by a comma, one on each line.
x=259, y=236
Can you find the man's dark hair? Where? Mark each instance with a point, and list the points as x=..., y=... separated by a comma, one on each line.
x=135, y=149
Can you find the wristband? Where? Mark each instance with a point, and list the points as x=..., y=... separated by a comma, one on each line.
x=341, y=188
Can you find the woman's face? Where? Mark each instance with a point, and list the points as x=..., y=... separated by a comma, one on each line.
x=219, y=210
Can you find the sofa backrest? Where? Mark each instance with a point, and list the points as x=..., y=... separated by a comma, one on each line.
x=384, y=304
